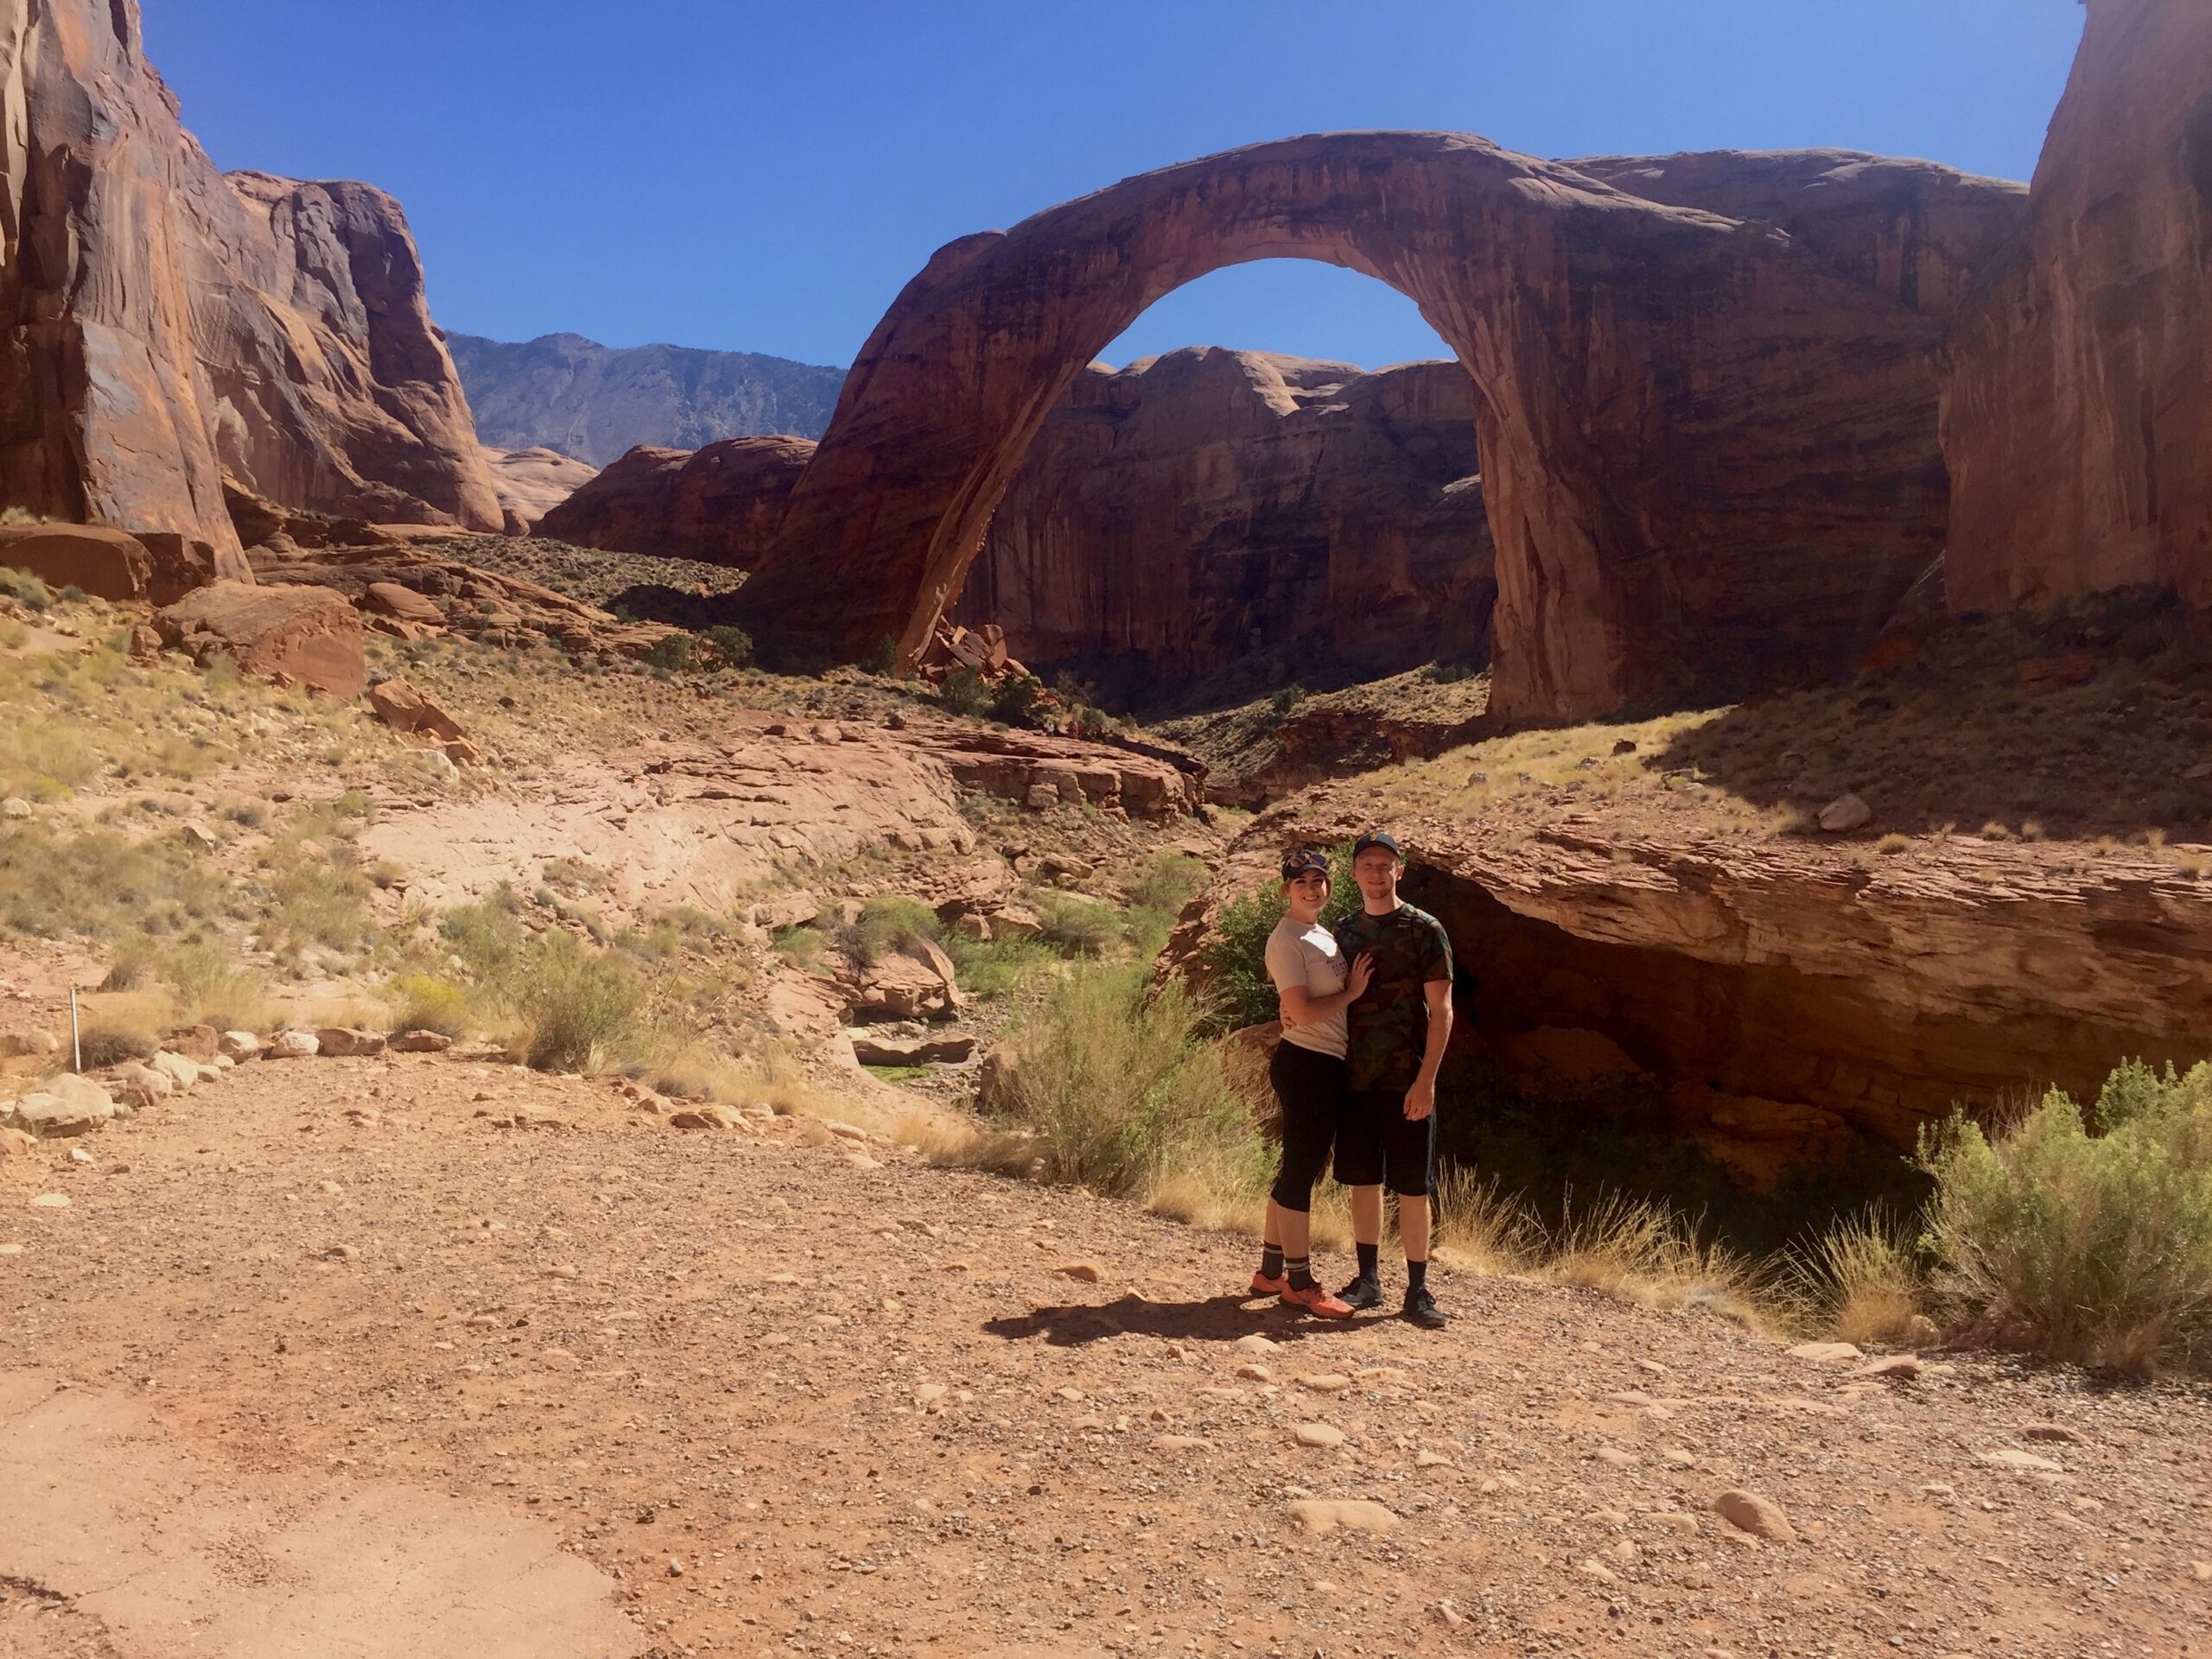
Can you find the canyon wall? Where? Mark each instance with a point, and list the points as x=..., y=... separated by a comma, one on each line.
x=1181, y=513
x=166, y=322
x=721, y=504
x=2077, y=411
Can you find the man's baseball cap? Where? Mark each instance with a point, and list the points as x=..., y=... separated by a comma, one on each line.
x=1296, y=864
x=1381, y=838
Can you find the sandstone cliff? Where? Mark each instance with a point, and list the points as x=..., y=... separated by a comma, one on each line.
x=1708, y=443
x=721, y=504
x=1189, y=510
x=166, y=322
x=2077, y=413
x=532, y=482
x=564, y=392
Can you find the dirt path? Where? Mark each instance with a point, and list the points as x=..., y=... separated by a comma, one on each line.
x=790, y=1392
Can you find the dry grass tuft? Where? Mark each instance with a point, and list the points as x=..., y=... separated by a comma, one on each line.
x=1861, y=1282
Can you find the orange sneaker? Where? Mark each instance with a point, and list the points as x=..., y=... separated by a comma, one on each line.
x=1263, y=1286
x=1314, y=1300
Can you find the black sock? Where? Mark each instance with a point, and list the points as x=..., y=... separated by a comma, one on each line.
x=1370, y=1261
x=1417, y=1276
x=1301, y=1272
x=1271, y=1261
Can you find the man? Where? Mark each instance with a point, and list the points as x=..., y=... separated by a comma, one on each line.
x=1394, y=1047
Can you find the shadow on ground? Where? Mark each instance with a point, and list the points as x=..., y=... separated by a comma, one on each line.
x=1217, y=1319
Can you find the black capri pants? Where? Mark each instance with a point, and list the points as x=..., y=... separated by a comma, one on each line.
x=1311, y=1086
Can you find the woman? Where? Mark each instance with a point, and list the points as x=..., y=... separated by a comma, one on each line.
x=1314, y=988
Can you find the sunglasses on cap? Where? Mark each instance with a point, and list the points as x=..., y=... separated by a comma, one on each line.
x=1298, y=864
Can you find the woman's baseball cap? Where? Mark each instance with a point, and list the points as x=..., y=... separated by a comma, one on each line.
x=1296, y=864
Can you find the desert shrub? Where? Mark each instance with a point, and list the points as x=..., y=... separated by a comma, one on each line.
x=488, y=936
x=884, y=659
x=1287, y=699
x=26, y=589
x=425, y=1002
x=97, y=883
x=1077, y=926
x=671, y=652
x=731, y=643
x=1860, y=1281
x=1235, y=957
x=1017, y=699
x=1157, y=898
x=2093, y=1246
x=576, y=1004
x=963, y=692
x=111, y=1043
x=315, y=901
x=885, y=920
x=214, y=988
x=1643, y=1251
x=801, y=945
x=131, y=964
x=1116, y=1087
x=998, y=966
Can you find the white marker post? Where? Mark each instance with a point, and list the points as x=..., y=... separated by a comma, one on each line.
x=76, y=1043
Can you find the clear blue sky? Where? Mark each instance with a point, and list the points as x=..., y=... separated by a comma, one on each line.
x=764, y=176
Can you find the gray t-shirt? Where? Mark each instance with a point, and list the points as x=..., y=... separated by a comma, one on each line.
x=1307, y=958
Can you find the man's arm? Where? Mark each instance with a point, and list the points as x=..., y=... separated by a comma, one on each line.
x=1420, y=1099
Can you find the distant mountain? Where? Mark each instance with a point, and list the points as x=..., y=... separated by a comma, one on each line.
x=564, y=392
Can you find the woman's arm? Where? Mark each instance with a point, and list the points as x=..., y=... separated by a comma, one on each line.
x=1300, y=1006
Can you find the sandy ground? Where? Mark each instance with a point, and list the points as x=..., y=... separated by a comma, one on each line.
x=781, y=1391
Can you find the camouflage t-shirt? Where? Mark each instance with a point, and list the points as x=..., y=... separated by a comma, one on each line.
x=1388, y=1026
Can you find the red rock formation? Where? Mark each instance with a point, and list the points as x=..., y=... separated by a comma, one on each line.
x=2077, y=411
x=307, y=634
x=1707, y=450
x=532, y=482
x=167, y=322
x=721, y=504
x=1172, y=517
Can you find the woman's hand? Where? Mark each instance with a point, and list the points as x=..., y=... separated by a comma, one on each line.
x=1363, y=971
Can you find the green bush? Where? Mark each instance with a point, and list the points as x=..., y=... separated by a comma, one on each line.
x=1169, y=883
x=2095, y=1247
x=1287, y=699
x=733, y=644
x=1116, y=1086
x=1019, y=700
x=671, y=652
x=578, y=1005
x=1237, y=985
x=963, y=692
x=884, y=920
x=213, y=988
x=26, y=589
x=107, y=1044
x=1077, y=926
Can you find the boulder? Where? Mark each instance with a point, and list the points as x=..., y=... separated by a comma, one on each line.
x=400, y=705
x=1760, y=1516
x=421, y=1042
x=293, y=1046
x=237, y=1045
x=175, y=323
x=63, y=1105
x=721, y=504
x=195, y=1042
x=179, y=1069
x=310, y=635
x=1845, y=813
x=16, y=1143
x=104, y=563
x=393, y=599
x=911, y=1051
x=2077, y=400
x=902, y=986
x=345, y=1042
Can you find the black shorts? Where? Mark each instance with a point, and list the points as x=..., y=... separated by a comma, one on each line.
x=1378, y=1146
x=1311, y=1086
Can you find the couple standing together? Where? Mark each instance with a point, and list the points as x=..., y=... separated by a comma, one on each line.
x=1366, y=1013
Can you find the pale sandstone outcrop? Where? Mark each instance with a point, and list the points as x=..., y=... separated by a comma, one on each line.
x=307, y=634
x=167, y=322
x=722, y=505
x=2077, y=410
x=532, y=482
x=1173, y=517
x=1709, y=450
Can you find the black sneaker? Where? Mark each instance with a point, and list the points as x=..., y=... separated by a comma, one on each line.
x=1421, y=1309
x=1362, y=1292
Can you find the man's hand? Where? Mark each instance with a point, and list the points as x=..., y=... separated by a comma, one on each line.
x=1420, y=1099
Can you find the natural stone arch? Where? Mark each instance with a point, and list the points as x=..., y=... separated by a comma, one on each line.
x=1685, y=418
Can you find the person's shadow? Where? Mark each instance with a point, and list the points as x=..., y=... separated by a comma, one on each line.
x=1217, y=1319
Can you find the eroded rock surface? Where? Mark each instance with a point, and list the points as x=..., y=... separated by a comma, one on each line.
x=170, y=324
x=532, y=482
x=1709, y=449
x=2077, y=413
x=310, y=635
x=1173, y=517
x=722, y=505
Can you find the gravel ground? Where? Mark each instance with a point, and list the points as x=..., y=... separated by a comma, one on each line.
x=797, y=1392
